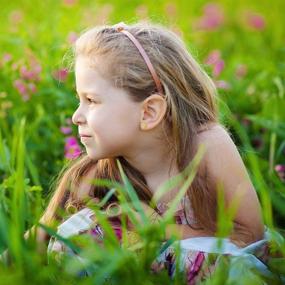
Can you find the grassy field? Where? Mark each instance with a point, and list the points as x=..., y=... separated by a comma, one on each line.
x=239, y=43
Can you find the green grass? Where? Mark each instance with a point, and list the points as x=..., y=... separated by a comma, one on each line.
x=252, y=108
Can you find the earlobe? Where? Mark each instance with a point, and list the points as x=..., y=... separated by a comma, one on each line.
x=153, y=111
x=143, y=125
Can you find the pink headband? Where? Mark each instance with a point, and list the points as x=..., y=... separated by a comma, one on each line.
x=145, y=57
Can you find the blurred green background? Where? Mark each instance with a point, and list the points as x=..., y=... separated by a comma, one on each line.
x=239, y=43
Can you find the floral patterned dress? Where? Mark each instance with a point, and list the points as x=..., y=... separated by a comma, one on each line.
x=198, y=258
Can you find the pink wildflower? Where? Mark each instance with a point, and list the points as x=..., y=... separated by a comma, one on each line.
x=70, y=141
x=72, y=148
x=222, y=84
x=255, y=21
x=32, y=87
x=20, y=85
x=69, y=3
x=32, y=73
x=6, y=58
x=218, y=67
x=72, y=37
x=65, y=130
x=212, y=18
x=61, y=74
x=214, y=59
x=280, y=169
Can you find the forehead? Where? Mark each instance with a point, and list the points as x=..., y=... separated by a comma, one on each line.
x=89, y=77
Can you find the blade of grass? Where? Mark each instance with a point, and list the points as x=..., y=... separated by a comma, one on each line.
x=192, y=167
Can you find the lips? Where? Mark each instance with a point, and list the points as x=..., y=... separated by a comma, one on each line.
x=84, y=136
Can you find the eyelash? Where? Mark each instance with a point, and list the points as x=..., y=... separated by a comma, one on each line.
x=90, y=101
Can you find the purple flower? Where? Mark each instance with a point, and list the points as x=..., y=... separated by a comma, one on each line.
x=72, y=37
x=32, y=87
x=32, y=73
x=214, y=59
x=72, y=149
x=22, y=88
x=212, y=18
x=61, y=74
x=280, y=169
x=65, y=130
x=20, y=85
x=255, y=21
x=73, y=153
x=70, y=141
x=222, y=84
x=69, y=3
x=6, y=58
x=218, y=68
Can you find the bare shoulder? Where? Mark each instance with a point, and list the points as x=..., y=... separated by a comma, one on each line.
x=222, y=159
x=226, y=168
x=219, y=144
x=214, y=133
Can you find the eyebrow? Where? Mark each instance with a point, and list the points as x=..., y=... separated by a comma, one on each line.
x=86, y=93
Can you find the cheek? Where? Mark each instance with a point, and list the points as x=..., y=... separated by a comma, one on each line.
x=113, y=122
x=95, y=122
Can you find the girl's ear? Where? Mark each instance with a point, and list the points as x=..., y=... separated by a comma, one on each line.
x=152, y=112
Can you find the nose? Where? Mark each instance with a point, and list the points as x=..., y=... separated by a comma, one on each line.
x=78, y=117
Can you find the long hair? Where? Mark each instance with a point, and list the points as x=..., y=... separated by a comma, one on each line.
x=190, y=95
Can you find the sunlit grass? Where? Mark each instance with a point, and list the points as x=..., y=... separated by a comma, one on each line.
x=36, y=36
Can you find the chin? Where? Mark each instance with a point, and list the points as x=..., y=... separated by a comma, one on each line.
x=92, y=156
x=95, y=156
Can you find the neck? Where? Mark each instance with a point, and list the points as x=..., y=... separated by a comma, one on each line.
x=156, y=167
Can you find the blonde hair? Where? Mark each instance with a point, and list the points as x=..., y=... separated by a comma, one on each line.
x=190, y=94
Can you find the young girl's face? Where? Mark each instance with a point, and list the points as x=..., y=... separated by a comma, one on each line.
x=106, y=114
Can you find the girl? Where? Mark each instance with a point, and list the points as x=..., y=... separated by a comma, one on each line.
x=144, y=100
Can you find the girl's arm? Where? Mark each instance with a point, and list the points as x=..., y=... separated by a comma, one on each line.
x=226, y=168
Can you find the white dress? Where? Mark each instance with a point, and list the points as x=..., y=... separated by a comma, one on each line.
x=194, y=251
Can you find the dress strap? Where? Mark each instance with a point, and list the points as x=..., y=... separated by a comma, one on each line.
x=184, y=213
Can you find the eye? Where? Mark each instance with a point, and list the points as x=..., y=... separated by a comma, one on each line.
x=90, y=101
x=86, y=99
